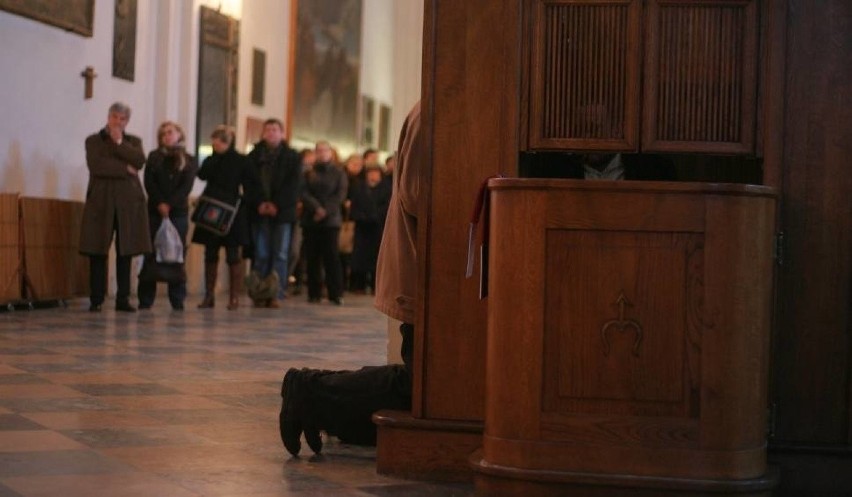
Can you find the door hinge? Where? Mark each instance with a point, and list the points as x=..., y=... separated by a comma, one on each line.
x=779, y=248
x=771, y=422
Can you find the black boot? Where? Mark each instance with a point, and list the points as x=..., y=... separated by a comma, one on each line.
x=289, y=420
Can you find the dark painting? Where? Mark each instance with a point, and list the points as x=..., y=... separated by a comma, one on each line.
x=326, y=71
x=124, y=40
x=258, y=76
x=71, y=15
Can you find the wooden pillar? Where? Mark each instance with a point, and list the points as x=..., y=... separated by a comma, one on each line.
x=470, y=100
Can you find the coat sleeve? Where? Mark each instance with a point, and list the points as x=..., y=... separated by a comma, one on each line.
x=311, y=203
x=106, y=159
x=290, y=184
x=251, y=184
x=410, y=167
x=152, y=179
x=184, y=184
x=339, y=196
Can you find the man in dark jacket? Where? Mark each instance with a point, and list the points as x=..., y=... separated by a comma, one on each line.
x=115, y=206
x=272, y=204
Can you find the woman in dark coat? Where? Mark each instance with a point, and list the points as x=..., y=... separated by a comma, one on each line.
x=226, y=171
x=169, y=174
x=322, y=199
x=369, y=200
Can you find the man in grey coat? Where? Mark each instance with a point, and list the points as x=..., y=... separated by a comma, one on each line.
x=115, y=204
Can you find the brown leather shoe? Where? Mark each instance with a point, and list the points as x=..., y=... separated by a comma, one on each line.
x=272, y=304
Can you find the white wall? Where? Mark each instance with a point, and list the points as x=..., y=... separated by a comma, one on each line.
x=265, y=25
x=407, y=61
x=44, y=117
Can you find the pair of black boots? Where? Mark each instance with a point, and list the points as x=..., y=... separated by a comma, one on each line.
x=341, y=403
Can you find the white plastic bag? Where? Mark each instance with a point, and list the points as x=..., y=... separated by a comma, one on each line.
x=167, y=243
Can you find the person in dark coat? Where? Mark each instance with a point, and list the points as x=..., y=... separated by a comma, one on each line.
x=227, y=172
x=272, y=205
x=368, y=207
x=322, y=199
x=169, y=174
x=115, y=204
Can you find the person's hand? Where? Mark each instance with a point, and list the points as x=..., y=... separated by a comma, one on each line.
x=164, y=209
x=116, y=134
x=320, y=214
x=272, y=209
x=131, y=170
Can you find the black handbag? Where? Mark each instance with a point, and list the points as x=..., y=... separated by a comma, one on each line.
x=214, y=215
x=168, y=272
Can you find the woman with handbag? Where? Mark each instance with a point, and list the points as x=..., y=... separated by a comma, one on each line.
x=226, y=172
x=169, y=174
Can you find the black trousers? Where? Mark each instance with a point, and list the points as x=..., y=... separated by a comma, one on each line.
x=321, y=252
x=98, y=274
x=98, y=278
x=343, y=402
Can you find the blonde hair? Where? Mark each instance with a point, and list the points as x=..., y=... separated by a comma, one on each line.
x=161, y=131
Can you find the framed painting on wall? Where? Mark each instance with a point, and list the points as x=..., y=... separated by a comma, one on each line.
x=71, y=15
x=384, y=128
x=368, y=123
x=325, y=73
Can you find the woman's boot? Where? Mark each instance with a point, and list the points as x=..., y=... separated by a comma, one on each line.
x=210, y=270
x=236, y=274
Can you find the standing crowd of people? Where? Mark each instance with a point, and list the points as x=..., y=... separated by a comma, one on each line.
x=285, y=212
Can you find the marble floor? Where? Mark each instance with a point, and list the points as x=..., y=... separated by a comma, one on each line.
x=163, y=403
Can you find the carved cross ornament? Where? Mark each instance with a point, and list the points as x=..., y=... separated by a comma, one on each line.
x=620, y=325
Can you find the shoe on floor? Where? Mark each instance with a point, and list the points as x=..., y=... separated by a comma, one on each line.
x=289, y=420
x=124, y=307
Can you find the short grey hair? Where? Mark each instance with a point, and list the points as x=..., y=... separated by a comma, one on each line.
x=120, y=108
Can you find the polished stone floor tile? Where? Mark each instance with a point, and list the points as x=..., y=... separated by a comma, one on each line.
x=118, y=389
x=55, y=405
x=35, y=440
x=154, y=436
x=203, y=418
x=172, y=404
x=148, y=402
x=8, y=492
x=64, y=462
x=37, y=391
x=21, y=379
x=15, y=422
x=92, y=419
x=124, y=485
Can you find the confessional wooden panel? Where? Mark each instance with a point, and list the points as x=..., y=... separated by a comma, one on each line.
x=471, y=118
x=585, y=74
x=700, y=76
x=694, y=63
x=813, y=365
x=638, y=344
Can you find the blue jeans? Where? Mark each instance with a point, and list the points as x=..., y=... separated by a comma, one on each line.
x=271, y=250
